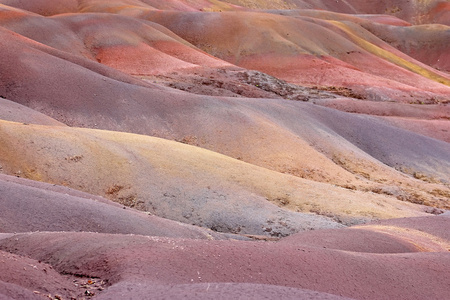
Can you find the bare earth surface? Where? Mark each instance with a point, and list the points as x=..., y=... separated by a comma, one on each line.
x=239, y=149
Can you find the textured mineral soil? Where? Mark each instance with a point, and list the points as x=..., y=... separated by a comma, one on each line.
x=240, y=149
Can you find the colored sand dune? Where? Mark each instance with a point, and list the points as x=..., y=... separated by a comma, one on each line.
x=207, y=149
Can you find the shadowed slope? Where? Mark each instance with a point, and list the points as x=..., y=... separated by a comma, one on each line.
x=429, y=120
x=205, y=291
x=12, y=111
x=360, y=19
x=130, y=45
x=277, y=37
x=411, y=10
x=131, y=40
x=273, y=44
x=380, y=146
x=344, y=50
x=424, y=234
x=441, y=13
x=125, y=260
x=426, y=43
x=127, y=54
x=437, y=129
x=28, y=206
x=24, y=278
x=415, y=11
x=137, y=47
x=269, y=133
x=277, y=167
x=44, y=7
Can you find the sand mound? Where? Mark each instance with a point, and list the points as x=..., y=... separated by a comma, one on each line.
x=188, y=184
x=24, y=278
x=274, y=45
x=432, y=226
x=212, y=290
x=267, y=133
x=341, y=46
x=157, y=261
x=173, y=145
x=12, y=111
x=28, y=206
x=426, y=43
x=406, y=235
x=415, y=11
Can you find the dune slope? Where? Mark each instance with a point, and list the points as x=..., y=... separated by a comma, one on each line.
x=224, y=149
x=350, y=274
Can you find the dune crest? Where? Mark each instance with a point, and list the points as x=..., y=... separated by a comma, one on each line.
x=224, y=149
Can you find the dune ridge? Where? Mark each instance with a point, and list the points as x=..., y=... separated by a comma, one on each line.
x=224, y=149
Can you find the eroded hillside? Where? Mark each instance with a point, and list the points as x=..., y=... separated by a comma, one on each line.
x=193, y=124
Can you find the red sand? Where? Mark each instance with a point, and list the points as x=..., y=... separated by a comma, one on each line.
x=167, y=261
x=353, y=128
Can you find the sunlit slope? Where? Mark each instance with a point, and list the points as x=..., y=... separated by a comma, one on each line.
x=285, y=136
x=127, y=44
x=183, y=182
x=426, y=43
x=330, y=50
x=146, y=150
x=144, y=49
x=309, y=51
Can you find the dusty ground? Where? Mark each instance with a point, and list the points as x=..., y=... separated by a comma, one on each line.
x=224, y=149
x=135, y=265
